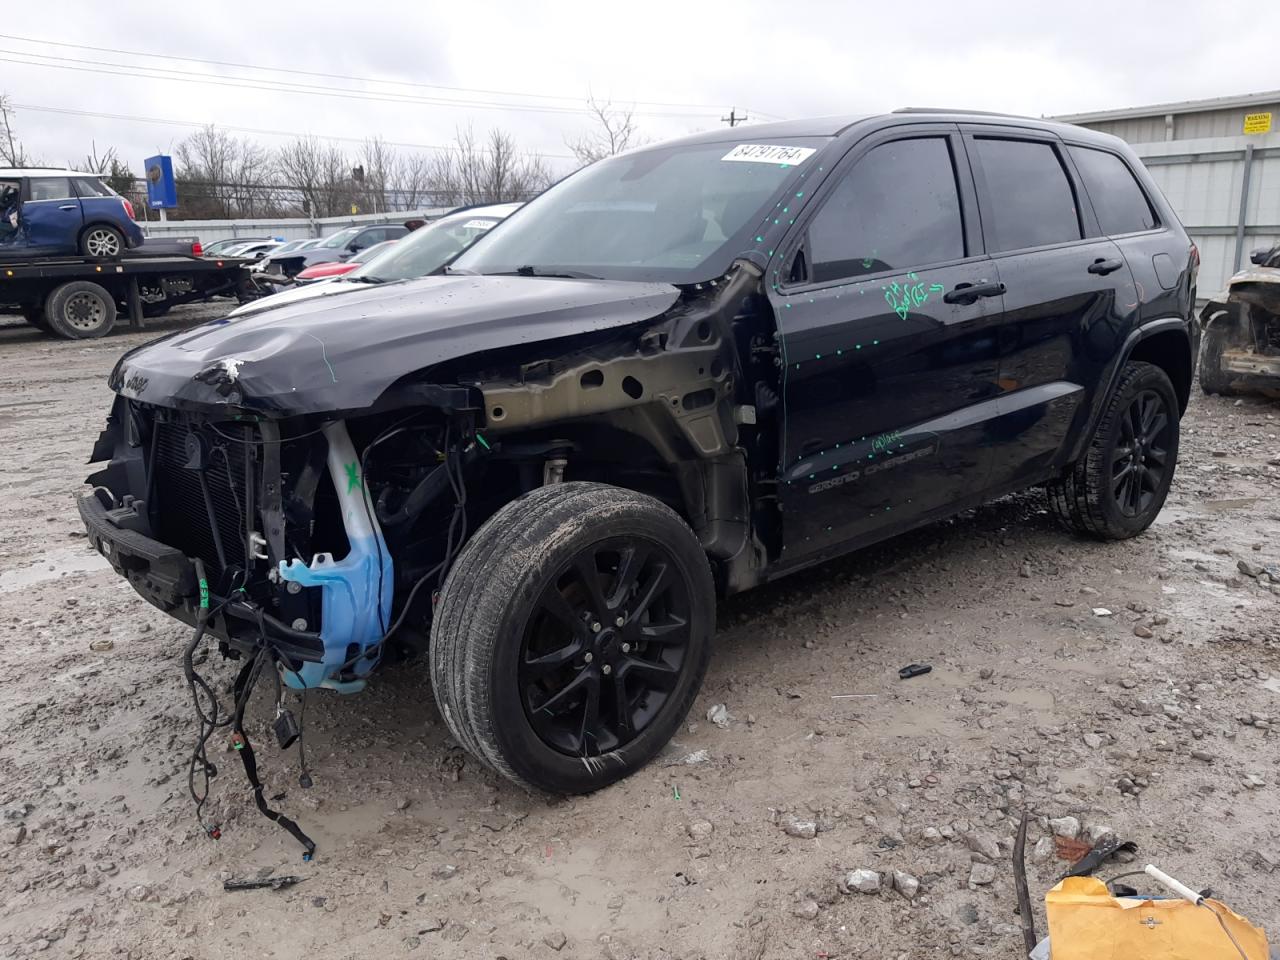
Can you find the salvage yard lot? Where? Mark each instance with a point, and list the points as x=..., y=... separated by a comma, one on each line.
x=1133, y=685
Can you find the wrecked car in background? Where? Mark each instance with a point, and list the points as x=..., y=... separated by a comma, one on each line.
x=1240, y=350
x=679, y=373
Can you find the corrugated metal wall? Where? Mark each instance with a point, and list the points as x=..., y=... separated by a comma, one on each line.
x=1204, y=181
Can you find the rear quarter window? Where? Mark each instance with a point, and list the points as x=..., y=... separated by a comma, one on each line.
x=1119, y=202
x=51, y=188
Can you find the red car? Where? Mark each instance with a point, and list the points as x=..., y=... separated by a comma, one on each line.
x=325, y=271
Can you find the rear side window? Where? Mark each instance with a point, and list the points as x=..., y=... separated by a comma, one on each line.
x=896, y=209
x=1118, y=201
x=1030, y=202
x=91, y=187
x=52, y=188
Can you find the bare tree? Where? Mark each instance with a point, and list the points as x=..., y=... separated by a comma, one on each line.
x=94, y=162
x=409, y=181
x=12, y=152
x=308, y=168
x=378, y=161
x=224, y=176
x=490, y=173
x=613, y=131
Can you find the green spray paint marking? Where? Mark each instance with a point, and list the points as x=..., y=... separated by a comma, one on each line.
x=483, y=442
x=353, y=476
x=204, y=594
x=902, y=297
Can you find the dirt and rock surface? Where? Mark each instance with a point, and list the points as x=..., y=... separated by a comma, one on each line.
x=834, y=811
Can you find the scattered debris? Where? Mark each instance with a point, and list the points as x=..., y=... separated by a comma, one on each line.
x=914, y=670
x=262, y=883
x=720, y=716
x=862, y=881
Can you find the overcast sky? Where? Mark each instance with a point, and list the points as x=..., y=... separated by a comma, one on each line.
x=682, y=64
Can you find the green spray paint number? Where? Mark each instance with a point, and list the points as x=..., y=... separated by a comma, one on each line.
x=353, y=476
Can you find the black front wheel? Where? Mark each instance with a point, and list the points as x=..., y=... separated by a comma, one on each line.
x=1117, y=488
x=572, y=635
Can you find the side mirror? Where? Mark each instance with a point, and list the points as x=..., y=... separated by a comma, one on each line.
x=1259, y=257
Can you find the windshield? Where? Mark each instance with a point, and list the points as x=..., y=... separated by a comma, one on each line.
x=675, y=214
x=291, y=245
x=428, y=248
x=340, y=238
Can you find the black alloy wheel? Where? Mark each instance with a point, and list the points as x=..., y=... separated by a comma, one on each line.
x=605, y=647
x=1142, y=456
x=572, y=634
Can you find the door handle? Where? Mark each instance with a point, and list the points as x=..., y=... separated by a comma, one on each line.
x=966, y=292
x=68, y=206
x=1102, y=266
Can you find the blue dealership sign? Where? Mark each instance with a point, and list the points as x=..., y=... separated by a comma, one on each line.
x=162, y=192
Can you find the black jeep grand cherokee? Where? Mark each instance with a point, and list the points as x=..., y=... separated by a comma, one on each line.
x=682, y=371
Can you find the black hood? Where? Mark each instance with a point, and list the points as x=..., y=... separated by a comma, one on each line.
x=341, y=353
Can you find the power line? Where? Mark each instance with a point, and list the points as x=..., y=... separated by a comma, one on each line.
x=339, y=76
x=249, y=83
x=733, y=119
x=198, y=124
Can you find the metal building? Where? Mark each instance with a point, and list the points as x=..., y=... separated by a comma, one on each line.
x=1218, y=163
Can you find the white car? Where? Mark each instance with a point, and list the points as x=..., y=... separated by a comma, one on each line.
x=423, y=251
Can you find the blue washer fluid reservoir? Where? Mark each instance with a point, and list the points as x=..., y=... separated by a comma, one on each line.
x=357, y=590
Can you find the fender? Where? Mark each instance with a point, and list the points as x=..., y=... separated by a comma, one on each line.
x=1136, y=335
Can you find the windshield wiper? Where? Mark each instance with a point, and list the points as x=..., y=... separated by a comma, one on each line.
x=528, y=271
x=367, y=278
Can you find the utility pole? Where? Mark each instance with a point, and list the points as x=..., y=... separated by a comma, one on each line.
x=733, y=119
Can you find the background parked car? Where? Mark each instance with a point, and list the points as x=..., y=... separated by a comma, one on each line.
x=271, y=262
x=253, y=251
x=340, y=246
x=423, y=252
x=48, y=212
x=327, y=271
x=219, y=248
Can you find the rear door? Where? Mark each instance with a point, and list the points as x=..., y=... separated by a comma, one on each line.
x=889, y=323
x=51, y=215
x=1067, y=293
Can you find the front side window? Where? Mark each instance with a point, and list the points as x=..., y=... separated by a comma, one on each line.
x=1029, y=201
x=898, y=208
x=1118, y=201
x=52, y=188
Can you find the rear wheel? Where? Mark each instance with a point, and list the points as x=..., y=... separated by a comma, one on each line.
x=1213, y=379
x=80, y=310
x=572, y=635
x=1117, y=488
x=102, y=242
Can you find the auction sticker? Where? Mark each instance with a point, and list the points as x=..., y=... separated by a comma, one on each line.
x=769, y=153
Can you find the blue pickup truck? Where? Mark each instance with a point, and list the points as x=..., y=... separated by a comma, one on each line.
x=49, y=212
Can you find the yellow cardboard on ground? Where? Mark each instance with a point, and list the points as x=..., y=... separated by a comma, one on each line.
x=1087, y=923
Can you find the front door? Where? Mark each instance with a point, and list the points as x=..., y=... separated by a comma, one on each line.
x=889, y=324
x=50, y=216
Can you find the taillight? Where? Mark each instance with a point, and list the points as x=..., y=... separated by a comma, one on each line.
x=128, y=209
x=1195, y=257
x=197, y=250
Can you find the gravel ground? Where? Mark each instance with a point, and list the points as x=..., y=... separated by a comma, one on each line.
x=1132, y=687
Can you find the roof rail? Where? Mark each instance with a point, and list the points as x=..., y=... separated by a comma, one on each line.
x=976, y=113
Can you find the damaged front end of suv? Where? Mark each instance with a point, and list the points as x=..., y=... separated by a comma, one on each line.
x=320, y=480
x=1240, y=350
